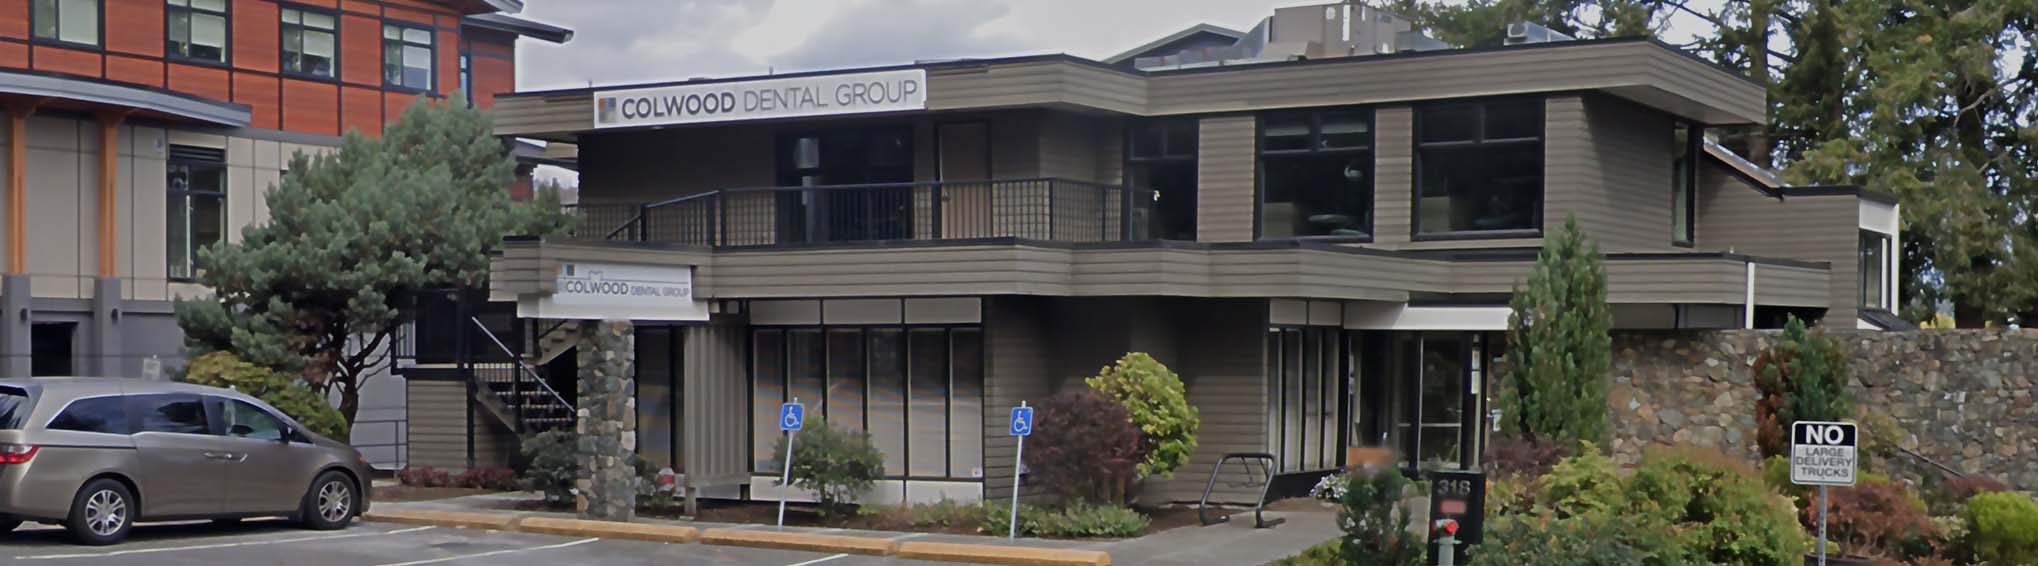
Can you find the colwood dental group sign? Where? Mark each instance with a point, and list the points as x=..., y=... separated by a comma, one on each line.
x=816, y=95
x=613, y=291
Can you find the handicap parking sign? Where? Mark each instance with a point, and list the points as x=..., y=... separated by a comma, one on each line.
x=1022, y=421
x=791, y=416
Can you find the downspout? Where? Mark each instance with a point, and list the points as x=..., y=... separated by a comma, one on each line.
x=1748, y=302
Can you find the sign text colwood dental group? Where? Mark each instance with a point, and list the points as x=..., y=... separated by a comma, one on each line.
x=820, y=95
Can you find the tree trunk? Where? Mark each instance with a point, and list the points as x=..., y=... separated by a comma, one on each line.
x=350, y=399
x=1759, y=143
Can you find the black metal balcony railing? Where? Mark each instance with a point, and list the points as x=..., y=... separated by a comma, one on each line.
x=1039, y=209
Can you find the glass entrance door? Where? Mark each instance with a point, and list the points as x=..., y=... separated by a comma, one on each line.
x=1421, y=393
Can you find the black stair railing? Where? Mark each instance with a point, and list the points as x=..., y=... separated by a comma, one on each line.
x=533, y=403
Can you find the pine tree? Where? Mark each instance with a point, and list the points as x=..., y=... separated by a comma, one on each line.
x=317, y=290
x=1802, y=377
x=1558, y=347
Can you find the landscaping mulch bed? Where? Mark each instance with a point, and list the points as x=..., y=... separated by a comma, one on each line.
x=401, y=493
x=886, y=519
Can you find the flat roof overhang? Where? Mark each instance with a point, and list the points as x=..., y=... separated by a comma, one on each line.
x=1005, y=266
x=1645, y=71
x=88, y=94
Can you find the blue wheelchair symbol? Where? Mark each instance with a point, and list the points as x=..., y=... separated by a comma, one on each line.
x=791, y=416
x=1022, y=421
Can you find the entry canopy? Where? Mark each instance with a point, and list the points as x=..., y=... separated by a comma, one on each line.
x=617, y=291
x=89, y=94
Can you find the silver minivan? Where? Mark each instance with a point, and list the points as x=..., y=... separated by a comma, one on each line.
x=96, y=455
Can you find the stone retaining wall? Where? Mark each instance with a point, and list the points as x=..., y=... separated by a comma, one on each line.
x=1963, y=398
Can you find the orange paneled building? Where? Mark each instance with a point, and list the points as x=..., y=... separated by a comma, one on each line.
x=140, y=131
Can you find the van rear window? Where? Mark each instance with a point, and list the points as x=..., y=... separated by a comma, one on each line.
x=13, y=407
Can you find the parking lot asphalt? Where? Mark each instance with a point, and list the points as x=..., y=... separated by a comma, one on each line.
x=259, y=543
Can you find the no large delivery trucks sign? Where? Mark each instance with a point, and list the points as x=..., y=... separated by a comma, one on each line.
x=1822, y=453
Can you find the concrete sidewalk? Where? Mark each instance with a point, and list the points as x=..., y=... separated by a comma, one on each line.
x=1235, y=542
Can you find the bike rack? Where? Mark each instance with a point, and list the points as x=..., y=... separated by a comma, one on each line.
x=1266, y=483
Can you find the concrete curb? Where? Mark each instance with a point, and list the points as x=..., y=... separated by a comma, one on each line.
x=491, y=521
x=800, y=541
x=1010, y=555
x=606, y=529
x=777, y=540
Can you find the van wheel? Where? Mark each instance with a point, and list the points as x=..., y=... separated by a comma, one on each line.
x=331, y=503
x=102, y=513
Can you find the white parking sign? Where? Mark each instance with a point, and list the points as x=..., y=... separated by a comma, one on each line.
x=1822, y=453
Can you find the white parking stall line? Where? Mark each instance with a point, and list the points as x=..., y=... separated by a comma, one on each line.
x=217, y=545
x=819, y=560
x=495, y=553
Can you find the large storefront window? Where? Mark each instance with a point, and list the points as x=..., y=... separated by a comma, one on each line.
x=1160, y=168
x=917, y=390
x=1316, y=174
x=1306, y=372
x=658, y=395
x=1479, y=167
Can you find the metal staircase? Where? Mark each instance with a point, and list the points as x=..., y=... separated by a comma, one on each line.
x=514, y=391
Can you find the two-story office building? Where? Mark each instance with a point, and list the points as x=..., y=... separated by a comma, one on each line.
x=1317, y=223
x=140, y=131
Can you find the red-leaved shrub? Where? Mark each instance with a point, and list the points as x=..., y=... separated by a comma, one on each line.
x=1084, y=446
x=424, y=477
x=1874, y=519
x=496, y=479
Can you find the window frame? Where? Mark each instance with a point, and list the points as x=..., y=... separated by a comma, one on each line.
x=1128, y=159
x=226, y=56
x=431, y=74
x=98, y=43
x=282, y=51
x=171, y=194
x=1315, y=138
x=1885, y=276
x=1687, y=173
x=1480, y=140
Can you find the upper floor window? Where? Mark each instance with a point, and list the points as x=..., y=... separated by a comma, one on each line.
x=467, y=78
x=1160, y=169
x=1875, y=270
x=1683, y=184
x=407, y=56
x=197, y=206
x=1479, y=167
x=197, y=29
x=70, y=21
x=1316, y=173
x=308, y=46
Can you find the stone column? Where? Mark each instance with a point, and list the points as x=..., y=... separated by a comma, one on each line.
x=607, y=423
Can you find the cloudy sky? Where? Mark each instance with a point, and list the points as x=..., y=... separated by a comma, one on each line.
x=618, y=41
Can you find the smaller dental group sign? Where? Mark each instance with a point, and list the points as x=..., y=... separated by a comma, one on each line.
x=819, y=95
x=1823, y=453
x=613, y=291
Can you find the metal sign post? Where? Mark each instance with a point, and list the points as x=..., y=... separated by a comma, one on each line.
x=1822, y=454
x=1022, y=426
x=790, y=417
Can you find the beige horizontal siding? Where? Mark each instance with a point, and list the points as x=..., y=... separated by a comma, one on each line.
x=1645, y=72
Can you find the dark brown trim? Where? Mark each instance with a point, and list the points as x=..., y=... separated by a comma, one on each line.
x=1841, y=190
